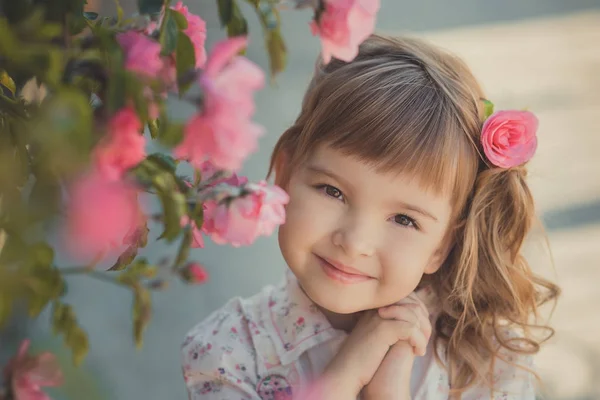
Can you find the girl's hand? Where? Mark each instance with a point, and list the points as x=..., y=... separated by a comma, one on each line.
x=392, y=379
x=360, y=356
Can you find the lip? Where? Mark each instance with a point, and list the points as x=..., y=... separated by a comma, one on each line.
x=342, y=273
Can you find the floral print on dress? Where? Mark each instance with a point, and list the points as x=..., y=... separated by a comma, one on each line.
x=274, y=387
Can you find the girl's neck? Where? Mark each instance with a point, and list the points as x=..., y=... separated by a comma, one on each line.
x=344, y=322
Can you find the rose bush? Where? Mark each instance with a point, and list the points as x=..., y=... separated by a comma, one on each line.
x=81, y=97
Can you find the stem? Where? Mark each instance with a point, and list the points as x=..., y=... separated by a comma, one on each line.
x=91, y=273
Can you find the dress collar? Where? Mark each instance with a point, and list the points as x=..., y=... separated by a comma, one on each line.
x=296, y=321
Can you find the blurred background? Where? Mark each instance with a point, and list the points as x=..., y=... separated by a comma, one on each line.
x=539, y=54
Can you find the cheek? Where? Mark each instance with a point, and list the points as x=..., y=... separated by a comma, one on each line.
x=308, y=220
x=403, y=263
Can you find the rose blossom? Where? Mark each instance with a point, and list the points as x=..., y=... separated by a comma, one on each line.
x=509, y=137
x=241, y=220
x=142, y=54
x=123, y=146
x=100, y=214
x=26, y=374
x=343, y=26
x=223, y=132
x=195, y=273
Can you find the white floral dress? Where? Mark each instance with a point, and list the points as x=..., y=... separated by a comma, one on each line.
x=269, y=346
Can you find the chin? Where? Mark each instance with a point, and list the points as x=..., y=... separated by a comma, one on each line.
x=335, y=301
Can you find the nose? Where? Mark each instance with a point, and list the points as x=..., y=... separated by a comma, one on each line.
x=356, y=235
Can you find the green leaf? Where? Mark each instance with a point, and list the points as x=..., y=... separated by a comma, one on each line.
x=153, y=128
x=237, y=26
x=268, y=15
x=186, y=61
x=92, y=16
x=488, y=109
x=277, y=52
x=125, y=259
x=41, y=254
x=169, y=34
x=170, y=134
x=184, y=248
x=142, y=312
x=150, y=6
x=180, y=19
x=271, y=24
x=119, y=11
x=6, y=305
x=64, y=322
x=116, y=91
x=14, y=249
x=164, y=161
x=198, y=215
x=7, y=82
x=173, y=204
x=225, y=11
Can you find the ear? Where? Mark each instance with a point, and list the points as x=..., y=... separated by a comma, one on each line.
x=438, y=258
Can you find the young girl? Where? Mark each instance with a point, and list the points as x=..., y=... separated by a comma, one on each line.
x=403, y=234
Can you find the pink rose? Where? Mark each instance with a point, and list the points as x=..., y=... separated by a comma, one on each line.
x=100, y=214
x=142, y=54
x=27, y=374
x=196, y=30
x=509, y=137
x=343, y=26
x=240, y=221
x=196, y=273
x=123, y=147
x=223, y=132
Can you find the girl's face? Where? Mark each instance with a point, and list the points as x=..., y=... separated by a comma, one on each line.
x=357, y=239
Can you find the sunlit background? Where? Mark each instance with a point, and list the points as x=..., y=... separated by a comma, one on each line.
x=539, y=54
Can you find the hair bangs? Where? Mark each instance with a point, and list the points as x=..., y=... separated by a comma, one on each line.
x=400, y=126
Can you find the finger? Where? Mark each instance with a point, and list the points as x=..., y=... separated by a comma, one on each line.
x=425, y=324
x=406, y=312
x=410, y=313
x=419, y=342
x=413, y=298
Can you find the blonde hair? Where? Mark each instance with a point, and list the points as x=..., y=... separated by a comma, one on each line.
x=405, y=106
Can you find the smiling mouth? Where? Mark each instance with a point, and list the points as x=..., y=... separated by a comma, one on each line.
x=342, y=273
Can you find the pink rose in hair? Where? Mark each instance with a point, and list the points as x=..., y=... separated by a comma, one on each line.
x=27, y=374
x=100, y=214
x=223, y=132
x=343, y=26
x=509, y=137
x=142, y=54
x=196, y=30
x=123, y=146
x=242, y=220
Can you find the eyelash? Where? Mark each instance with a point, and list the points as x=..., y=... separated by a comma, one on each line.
x=324, y=187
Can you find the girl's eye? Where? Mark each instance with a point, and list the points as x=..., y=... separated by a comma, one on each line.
x=331, y=191
x=405, y=220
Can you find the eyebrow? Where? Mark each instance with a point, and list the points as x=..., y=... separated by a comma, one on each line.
x=324, y=171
